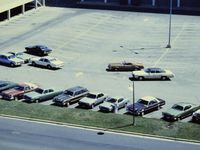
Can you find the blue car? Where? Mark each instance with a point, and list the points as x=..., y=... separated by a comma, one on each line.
x=11, y=60
x=145, y=105
x=39, y=50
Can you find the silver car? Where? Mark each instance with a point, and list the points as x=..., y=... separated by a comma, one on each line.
x=152, y=73
x=92, y=99
x=113, y=104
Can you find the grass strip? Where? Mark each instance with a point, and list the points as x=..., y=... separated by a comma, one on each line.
x=118, y=122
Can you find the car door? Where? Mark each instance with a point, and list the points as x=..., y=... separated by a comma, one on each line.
x=4, y=59
x=45, y=95
x=152, y=105
x=187, y=111
x=100, y=98
x=120, y=103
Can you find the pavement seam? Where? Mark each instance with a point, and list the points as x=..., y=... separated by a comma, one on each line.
x=100, y=129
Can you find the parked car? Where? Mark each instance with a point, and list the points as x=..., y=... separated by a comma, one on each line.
x=39, y=50
x=21, y=55
x=71, y=95
x=11, y=60
x=124, y=66
x=111, y=104
x=4, y=85
x=49, y=62
x=152, y=73
x=92, y=99
x=41, y=94
x=18, y=91
x=196, y=116
x=179, y=111
x=145, y=105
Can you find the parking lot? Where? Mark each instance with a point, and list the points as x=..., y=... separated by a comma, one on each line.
x=87, y=40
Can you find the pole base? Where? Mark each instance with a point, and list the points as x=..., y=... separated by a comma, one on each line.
x=168, y=46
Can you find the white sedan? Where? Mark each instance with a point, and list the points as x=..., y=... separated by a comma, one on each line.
x=49, y=62
x=152, y=73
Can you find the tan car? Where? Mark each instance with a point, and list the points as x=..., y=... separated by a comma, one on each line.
x=124, y=66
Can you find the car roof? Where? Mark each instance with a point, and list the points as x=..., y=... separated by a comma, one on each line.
x=49, y=57
x=7, y=54
x=3, y=82
x=27, y=83
x=183, y=104
x=76, y=88
x=148, y=98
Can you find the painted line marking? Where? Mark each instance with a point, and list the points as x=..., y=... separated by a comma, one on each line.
x=168, y=49
x=84, y=33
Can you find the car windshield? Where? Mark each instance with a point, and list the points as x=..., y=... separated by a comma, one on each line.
x=52, y=59
x=21, y=88
x=144, y=102
x=2, y=85
x=11, y=56
x=19, y=54
x=39, y=90
x=69, y=93
x=111, y=100
x=177, y=107
x=93, y=96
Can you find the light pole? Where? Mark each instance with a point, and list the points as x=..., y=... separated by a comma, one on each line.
x=133, y=103
x=170, y=19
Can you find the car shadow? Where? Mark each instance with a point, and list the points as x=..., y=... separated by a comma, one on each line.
x=81, y=107
x=43, y=67
x=133, y=79
x=8, y=66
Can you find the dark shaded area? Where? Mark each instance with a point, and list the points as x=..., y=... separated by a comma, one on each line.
x=16, y=11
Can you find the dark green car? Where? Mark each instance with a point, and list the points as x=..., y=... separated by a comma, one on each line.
x=41, y=94
x=179, y=111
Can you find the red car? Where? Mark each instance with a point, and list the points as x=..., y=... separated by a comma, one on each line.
x=18, y=91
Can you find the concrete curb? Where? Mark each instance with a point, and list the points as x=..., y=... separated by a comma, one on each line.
x=101, y=129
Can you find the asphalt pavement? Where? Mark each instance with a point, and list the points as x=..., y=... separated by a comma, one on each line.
x=87, y=40
x=25, y=135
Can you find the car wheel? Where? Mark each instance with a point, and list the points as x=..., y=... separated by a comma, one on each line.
x=37, y=100
x=92, y=106
x=140, y=78
x=142, y=113
x=15, y=98
x=12, y=65
x=67, y=104
x=33, y=63
x=158, y=107
x=49, y=67
x=164, y=78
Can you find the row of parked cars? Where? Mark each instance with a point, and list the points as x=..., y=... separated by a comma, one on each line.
x=148, y=104
x=14, y=59
x=30, y=93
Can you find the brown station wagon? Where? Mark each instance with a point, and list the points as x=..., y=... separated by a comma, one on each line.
x=124, y=66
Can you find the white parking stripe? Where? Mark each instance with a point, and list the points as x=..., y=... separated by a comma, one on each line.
x=84, y=33
x=172, y=43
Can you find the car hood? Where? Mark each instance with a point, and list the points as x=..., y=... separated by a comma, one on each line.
x=140, y=72
x=107, y=105
x=12, y=92
x=62, y=97
x=173, y=112
x=57, y=62
x=16, y=59
x=137, y=107
x=87, y=100
x=32, y=94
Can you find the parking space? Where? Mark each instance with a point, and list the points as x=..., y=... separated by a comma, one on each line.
x=87, y=40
